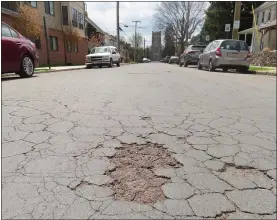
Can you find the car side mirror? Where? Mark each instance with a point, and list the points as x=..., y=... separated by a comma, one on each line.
x=113, y=52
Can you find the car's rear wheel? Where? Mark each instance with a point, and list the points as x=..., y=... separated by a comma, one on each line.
x=199, y=66
x=225, y=69
x=180, y=64
x=186, y=64
x=242, y=69
x=111, y=63
x=100, y=66
x=211, y=67
x=118, y=64
x=27, y=67
x=88, y=66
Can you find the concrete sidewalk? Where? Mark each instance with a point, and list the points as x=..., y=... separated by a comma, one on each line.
x=62, y=68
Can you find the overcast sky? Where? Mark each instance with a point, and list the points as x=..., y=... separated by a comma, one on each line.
x=104, y=15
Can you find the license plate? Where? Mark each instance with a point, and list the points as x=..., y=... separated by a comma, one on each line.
x=95, y=62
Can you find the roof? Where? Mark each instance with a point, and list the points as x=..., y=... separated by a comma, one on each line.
x=264, y=6
x=247, y=31
x=94, y=25
x=270, y=24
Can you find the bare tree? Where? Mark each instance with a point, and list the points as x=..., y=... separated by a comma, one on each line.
x=184, y=17
x=139, y=40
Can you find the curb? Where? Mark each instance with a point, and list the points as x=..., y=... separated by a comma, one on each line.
x=51, y=71
x=265, y=73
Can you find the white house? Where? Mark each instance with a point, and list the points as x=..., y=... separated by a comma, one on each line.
x=265, y=16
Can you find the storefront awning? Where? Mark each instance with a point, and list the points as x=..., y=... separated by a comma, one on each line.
x=247, y=31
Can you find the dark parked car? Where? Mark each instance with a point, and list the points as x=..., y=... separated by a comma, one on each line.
x=173, y=59
x=191, y=55
x=167, y=58
x=19, y=55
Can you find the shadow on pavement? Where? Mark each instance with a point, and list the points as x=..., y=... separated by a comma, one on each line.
x=13, y=77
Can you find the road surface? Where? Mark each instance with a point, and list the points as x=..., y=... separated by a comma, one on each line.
x=140, y=141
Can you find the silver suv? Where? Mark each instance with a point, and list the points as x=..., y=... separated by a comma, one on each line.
x=103, y=56
x=225, y=54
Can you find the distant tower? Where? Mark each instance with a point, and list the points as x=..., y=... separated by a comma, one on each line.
x=156, y=45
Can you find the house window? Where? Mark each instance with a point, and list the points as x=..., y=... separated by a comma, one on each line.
x=68, y=46
x=31, y=3
x=53, y=43
x=75, y=47
x=10, y=5
x=74, y=17
x=263, y=17
x=72, y=47
x=269, y=15
x=65, y=15
x=49, y=8
x=81, y=20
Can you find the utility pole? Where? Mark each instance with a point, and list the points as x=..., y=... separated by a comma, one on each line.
x=117, y=24
x=144, y=48
x=236, y=20
x=136, y=39
x=187, y=24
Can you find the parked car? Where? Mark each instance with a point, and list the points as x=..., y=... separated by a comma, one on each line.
x=167, y=58
x=103, y=56
x=225, y=54
x=173, y=59
x=191, y=55
x=19, y=55
x=146, y=60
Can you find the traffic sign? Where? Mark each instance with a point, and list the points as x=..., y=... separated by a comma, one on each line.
x=236, y=24
x=207, y=37
x=227, y=27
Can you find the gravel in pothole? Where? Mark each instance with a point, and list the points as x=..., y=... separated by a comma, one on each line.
x=134, y=176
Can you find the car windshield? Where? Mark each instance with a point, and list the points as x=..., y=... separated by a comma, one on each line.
x=198, y=47
x=234, y=45
x=100, y=50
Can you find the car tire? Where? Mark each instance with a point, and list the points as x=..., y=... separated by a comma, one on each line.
x=88, y=66
x=111, y=63
x=225, y=69
x=118, y=64
x=100, y=66
x=26, y=67
x=169, y=62
x=242, y=70
x=211, y=67
x=186, y=64
x=180, y=64
x=199, y=66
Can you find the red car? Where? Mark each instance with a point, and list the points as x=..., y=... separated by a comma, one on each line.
x=19, y=55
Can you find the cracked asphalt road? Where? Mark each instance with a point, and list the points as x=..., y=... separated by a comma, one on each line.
x=60, y=131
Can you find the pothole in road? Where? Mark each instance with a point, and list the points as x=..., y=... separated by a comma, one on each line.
x=134, y=177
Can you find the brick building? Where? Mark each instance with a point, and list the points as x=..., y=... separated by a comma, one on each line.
x=58, y=16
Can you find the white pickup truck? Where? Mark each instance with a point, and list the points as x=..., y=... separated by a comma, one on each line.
x=103, y=56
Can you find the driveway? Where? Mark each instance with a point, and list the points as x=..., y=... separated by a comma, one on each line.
x=139, y=141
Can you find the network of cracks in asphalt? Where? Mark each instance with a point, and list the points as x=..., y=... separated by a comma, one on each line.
x=134, y=178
